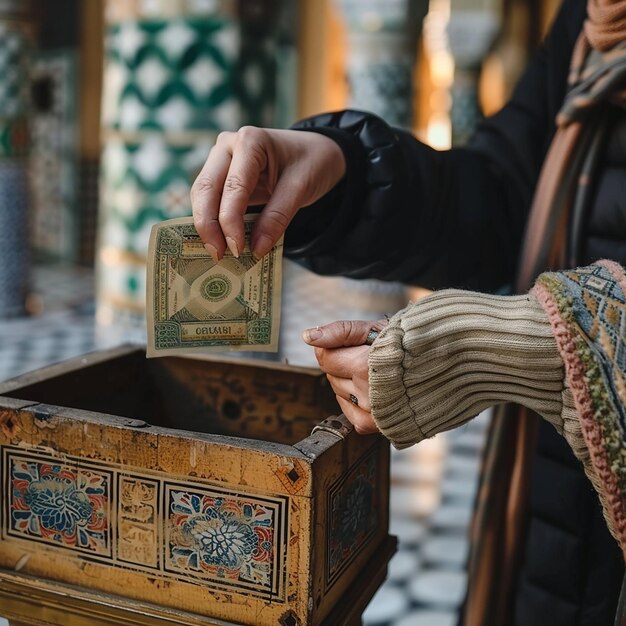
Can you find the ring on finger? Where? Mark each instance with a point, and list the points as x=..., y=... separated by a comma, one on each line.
x=354, y=399
x=371, y=336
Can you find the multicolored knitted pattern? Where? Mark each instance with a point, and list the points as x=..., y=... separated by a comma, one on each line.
x=587, y=311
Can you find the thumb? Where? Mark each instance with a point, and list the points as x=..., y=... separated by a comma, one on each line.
x=340, y=334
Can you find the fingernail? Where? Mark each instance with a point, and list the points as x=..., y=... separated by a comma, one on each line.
x=262, y=246
x=232, y=246
x=311, y=334
x=212, y=250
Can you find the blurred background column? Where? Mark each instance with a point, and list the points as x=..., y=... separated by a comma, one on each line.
x=55, y=212
x=383, y=38
x=66, y=74
x=472, y=27
x=176, y=72
x=15, y=54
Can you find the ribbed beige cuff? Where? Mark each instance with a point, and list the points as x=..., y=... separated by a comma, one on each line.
x=446, y=358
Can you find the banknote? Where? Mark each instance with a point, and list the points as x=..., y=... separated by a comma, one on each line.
x=195, y=305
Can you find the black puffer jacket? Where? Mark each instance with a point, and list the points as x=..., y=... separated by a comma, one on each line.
x=440, y=219
x=455, y=219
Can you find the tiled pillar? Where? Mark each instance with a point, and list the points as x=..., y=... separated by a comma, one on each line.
x=54, y=209
x=15, y=52
x=176, y=73
x=471, y=31
x=382, y=43
x=53, y=155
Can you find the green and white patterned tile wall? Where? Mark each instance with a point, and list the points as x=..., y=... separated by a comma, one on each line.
x=171, y=75
x=173, y=80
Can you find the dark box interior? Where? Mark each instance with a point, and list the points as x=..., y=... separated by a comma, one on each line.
x=271, y=403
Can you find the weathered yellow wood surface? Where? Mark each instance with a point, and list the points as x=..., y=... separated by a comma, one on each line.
x=132, y=478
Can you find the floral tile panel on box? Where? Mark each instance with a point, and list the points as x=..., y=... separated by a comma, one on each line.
x=227, y=540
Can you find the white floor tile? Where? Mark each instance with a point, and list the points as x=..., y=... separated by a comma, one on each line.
x=388, y=604
x=409, y=531
x=452, y=516
x=439, y=588
x=445, y=550
x=428, y=618
x=457, y=488
x=403, y=566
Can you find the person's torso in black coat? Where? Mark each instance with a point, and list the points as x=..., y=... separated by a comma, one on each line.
x=456, y=219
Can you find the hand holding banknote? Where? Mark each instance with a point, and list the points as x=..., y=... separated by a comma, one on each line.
x=281, y=169
x=195, y=305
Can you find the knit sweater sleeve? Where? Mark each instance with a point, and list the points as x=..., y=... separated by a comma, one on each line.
x=558, y=350
x=444, y=359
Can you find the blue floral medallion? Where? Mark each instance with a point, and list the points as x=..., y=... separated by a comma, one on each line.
x=60, y=504
x=225, y=538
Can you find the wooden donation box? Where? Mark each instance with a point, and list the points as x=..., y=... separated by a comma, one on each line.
x=179, y=491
